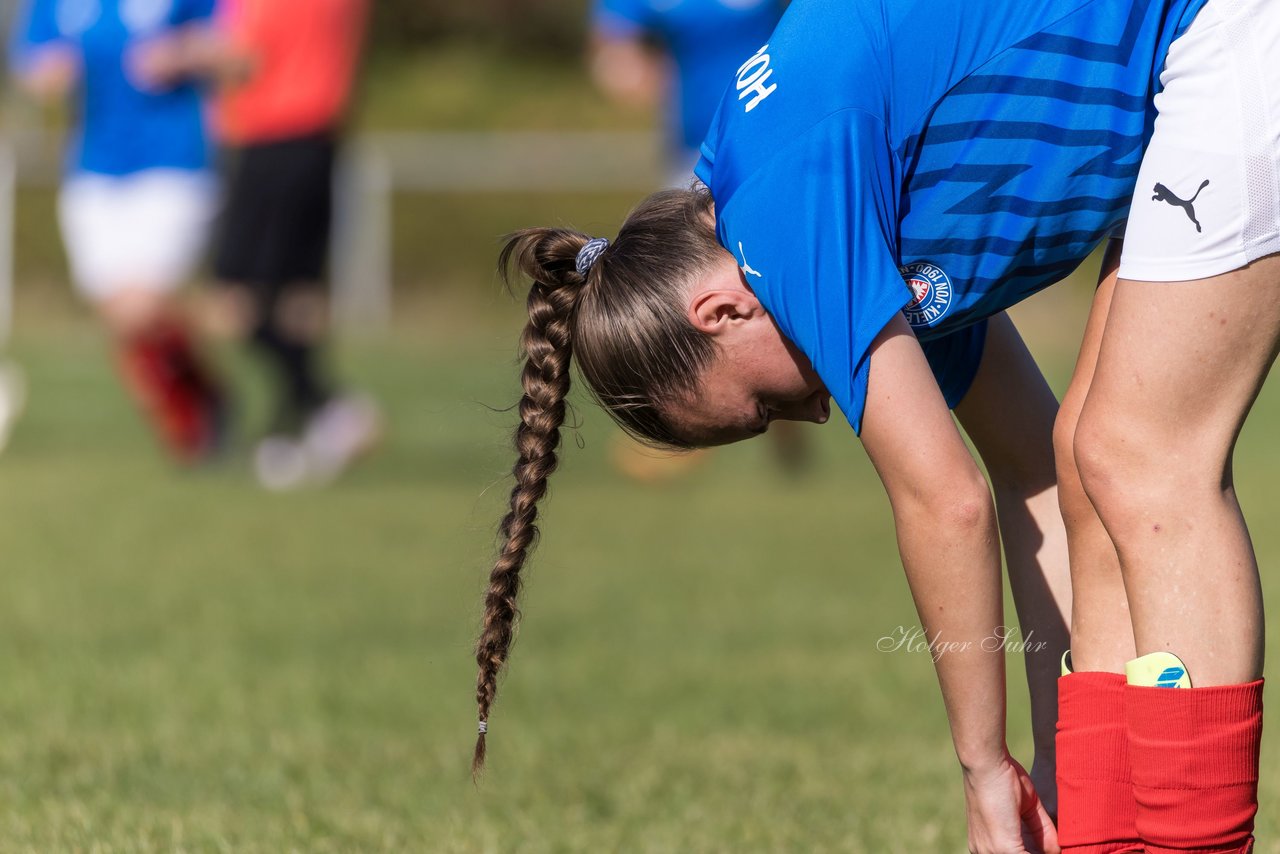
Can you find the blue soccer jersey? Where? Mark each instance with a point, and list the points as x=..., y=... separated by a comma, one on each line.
x=122, y=128
x=940, y=159
x=708, y=40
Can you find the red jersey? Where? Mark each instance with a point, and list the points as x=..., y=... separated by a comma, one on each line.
x=304, y=55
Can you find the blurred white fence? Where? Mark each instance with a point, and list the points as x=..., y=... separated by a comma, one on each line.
x=376, y=167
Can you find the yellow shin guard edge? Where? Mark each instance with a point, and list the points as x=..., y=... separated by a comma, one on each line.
x=1157, y=670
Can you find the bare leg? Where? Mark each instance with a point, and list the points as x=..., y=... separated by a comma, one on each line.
x=1101, y=631
x=1178, y=370
x=1098, y=808
x=133, y=311
x=226, y=312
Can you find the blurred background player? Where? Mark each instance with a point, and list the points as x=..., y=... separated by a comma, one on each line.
x=282, y=119
x=138, y=195
x=680, y=56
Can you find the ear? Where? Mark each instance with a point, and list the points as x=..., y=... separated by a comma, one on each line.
x=715, y=311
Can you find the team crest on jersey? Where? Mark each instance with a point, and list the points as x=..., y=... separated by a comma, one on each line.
x=931, y=291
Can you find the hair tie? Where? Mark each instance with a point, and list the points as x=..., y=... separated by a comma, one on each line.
x=590, y=253
x=482, y=728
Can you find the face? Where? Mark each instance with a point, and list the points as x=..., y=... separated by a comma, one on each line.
x=758, y=377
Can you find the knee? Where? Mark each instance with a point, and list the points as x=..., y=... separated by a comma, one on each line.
x=1071, y=495
x=230, y=312
x=1130, y=470
x=1107, y=464
x=133, y=311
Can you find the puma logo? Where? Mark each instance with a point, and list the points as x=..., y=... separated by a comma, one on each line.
x=746, y=268
x=1164, y=194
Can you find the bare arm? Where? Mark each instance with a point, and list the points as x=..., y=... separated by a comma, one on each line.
x=50, y=73
x=192, y=52
x=1009, y=414
x=627, y=70
x=950, y=547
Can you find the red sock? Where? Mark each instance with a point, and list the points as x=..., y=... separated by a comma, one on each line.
x=1096, y=810
x=1195, y=766
x=171, y=385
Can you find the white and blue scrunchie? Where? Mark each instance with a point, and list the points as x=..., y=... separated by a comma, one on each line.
x=589, y=254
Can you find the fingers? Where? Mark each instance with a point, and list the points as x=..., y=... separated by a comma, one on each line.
x=1007, y=816
x=1039, y=834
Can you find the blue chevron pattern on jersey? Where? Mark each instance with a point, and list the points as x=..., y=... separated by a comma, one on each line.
x=1026, y=166
x=976, y=152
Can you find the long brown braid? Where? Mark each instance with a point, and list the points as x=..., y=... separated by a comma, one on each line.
x=625, y=325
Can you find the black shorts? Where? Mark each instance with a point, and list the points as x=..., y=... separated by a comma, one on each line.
x=275, y=224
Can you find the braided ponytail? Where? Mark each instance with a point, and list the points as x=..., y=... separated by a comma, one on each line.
x=623, y=320
x=546, y=256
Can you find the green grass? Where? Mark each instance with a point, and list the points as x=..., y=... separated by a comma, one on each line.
x=190, y=664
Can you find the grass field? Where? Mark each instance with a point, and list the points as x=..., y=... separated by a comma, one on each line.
x=190, y=664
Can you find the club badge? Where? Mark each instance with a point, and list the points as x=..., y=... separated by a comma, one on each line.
x=931, y=293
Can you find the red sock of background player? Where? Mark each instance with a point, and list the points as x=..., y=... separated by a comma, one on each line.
x=173, y=388
x=1096, y=810
x=200, y=380
x=1195, y=766
x=174, y=340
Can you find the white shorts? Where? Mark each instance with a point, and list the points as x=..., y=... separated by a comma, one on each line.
x=141, y=231
x=1208, y=194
